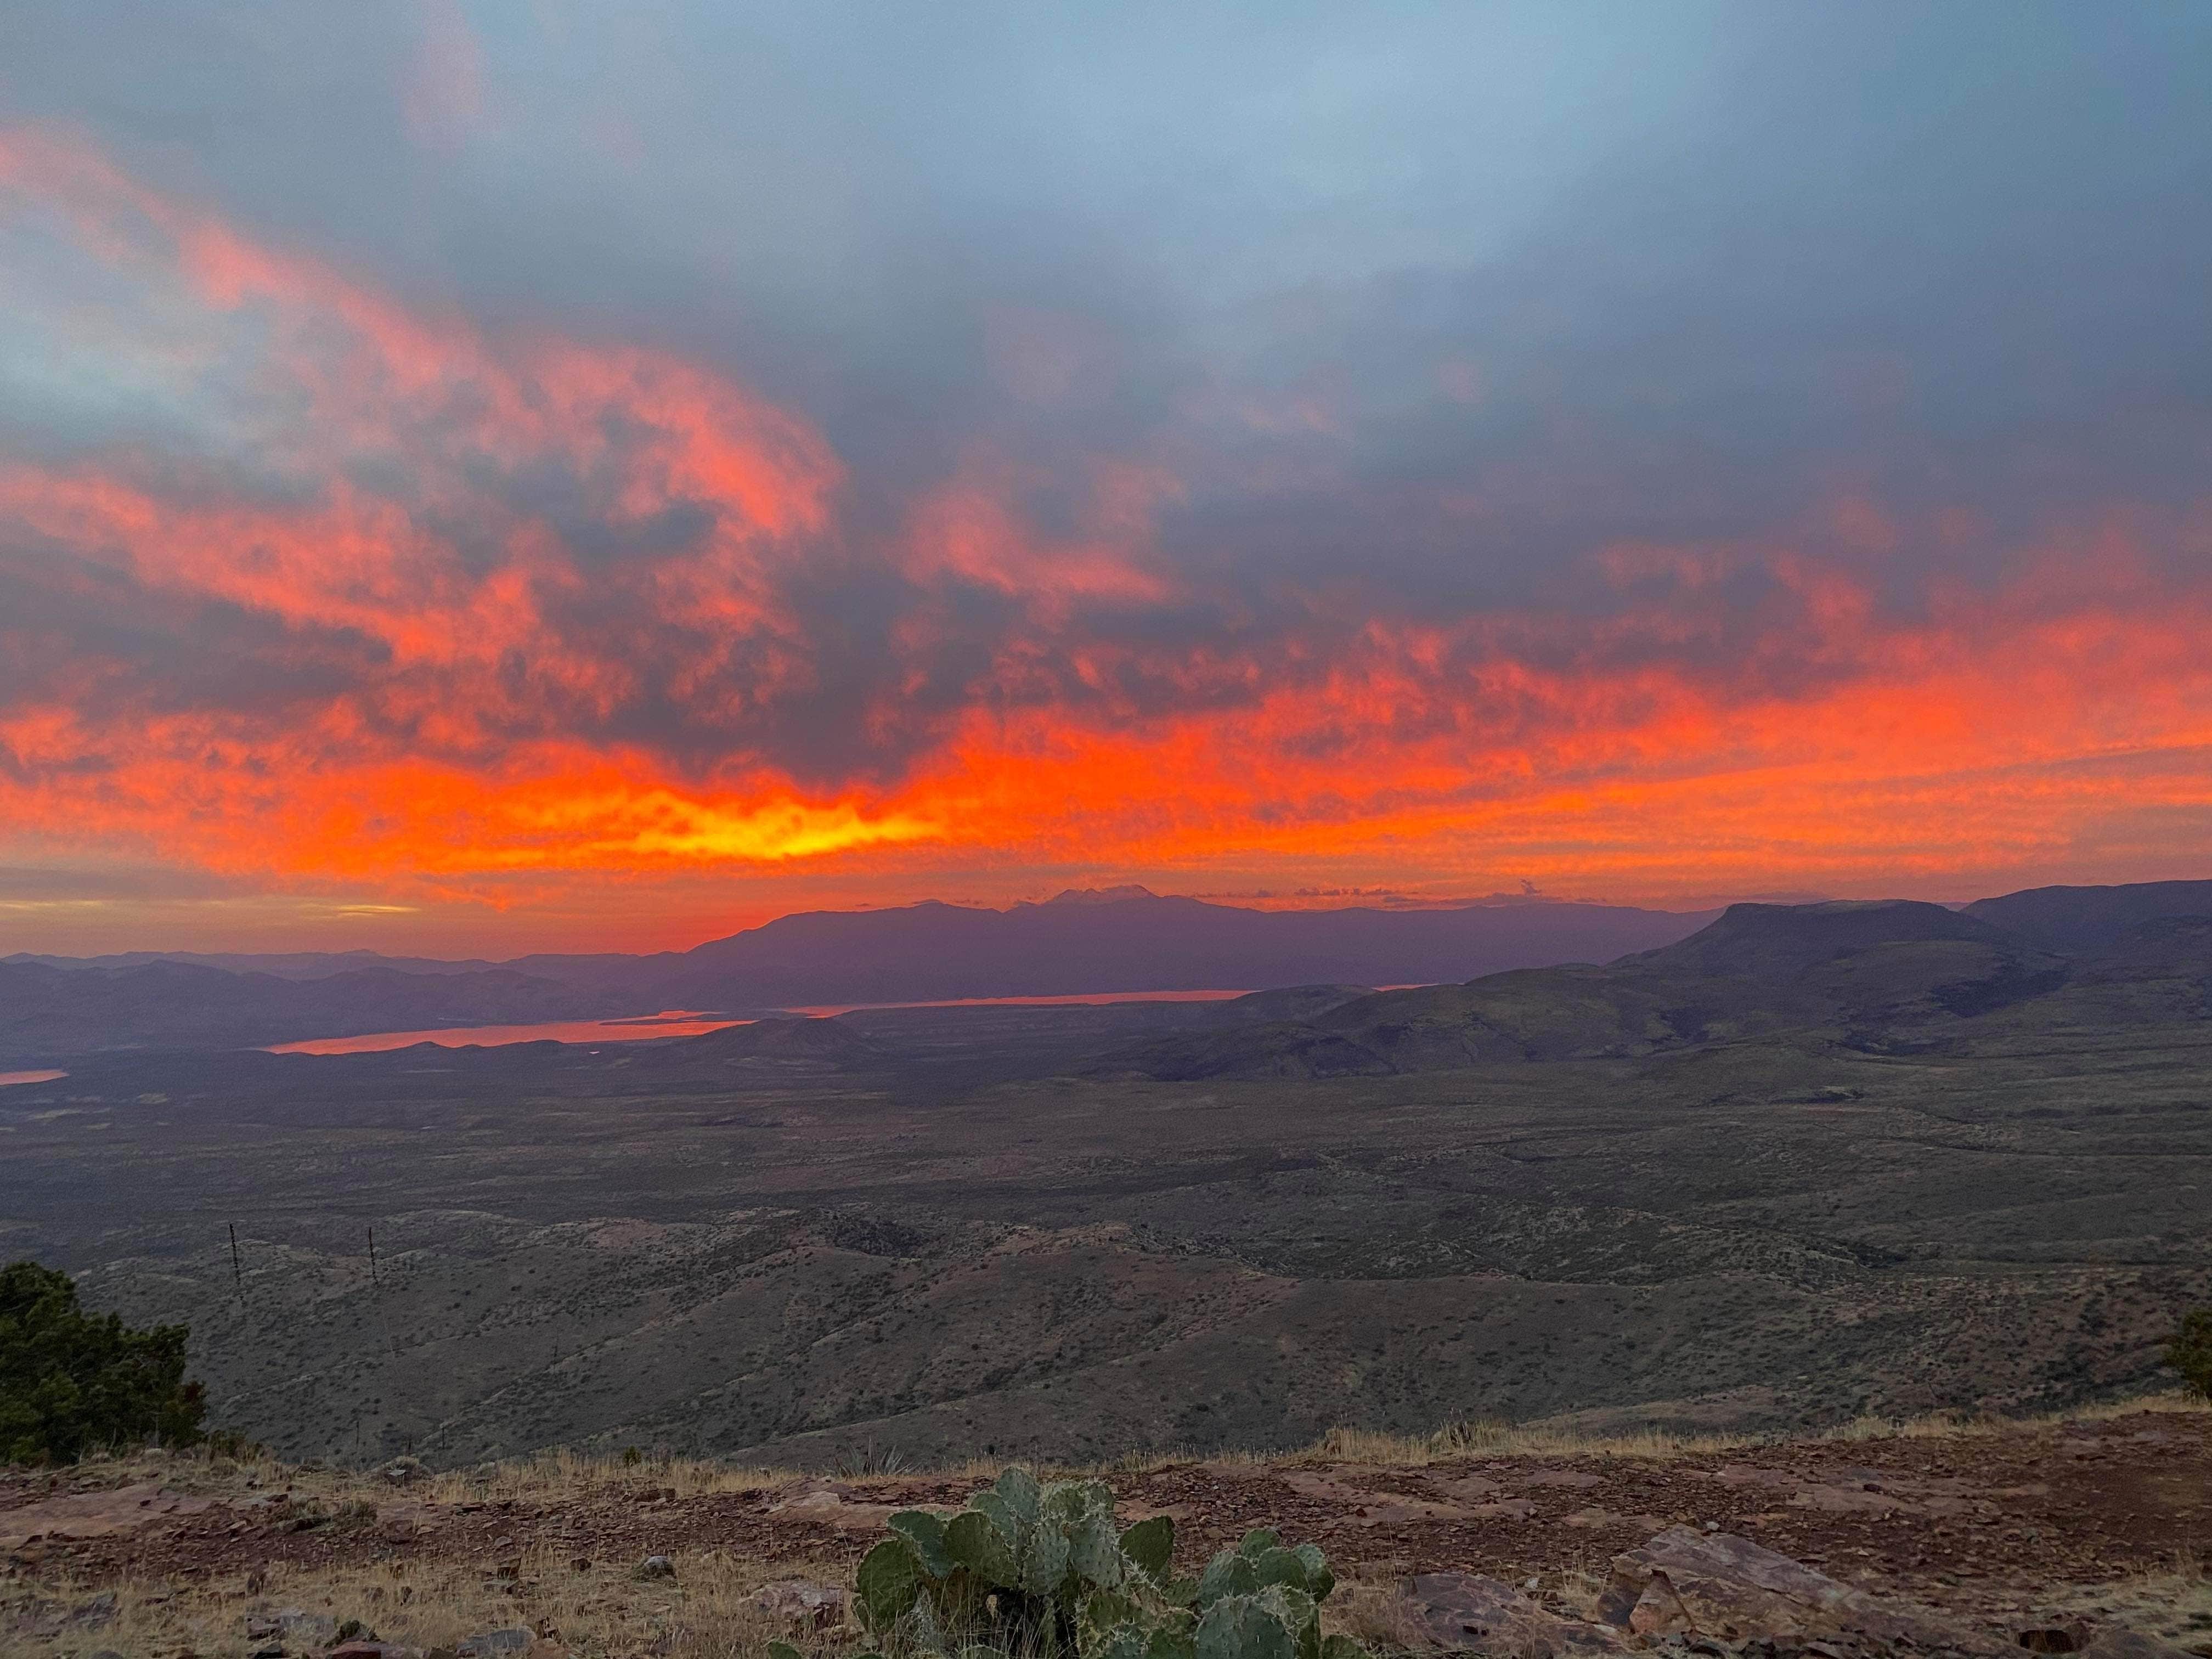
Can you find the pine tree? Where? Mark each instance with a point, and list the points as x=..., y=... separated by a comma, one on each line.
x=72, y=1382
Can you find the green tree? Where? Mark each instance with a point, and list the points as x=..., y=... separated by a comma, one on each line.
x=72, y=1382
x=2190, y=1352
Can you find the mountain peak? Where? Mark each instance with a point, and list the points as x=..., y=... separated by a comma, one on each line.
x=1101, y=894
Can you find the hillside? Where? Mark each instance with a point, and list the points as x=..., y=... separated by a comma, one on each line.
x=710, y=1245
x=1137, y=941
x=48, y=1012
x=1502, y=979
x=51, y=1007
x=1872, y=1144
x=2081, y=921
x=1919, y=1538
x=1880, y=977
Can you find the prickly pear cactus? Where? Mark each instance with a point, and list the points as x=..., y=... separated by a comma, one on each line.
x=1033, y=1566
x=1262, y=1601
x=1043, y=1570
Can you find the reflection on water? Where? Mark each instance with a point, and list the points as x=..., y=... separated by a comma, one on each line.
x=1087, y=999
x=674, y=1023
x=7, y=1078
x=679, y=1021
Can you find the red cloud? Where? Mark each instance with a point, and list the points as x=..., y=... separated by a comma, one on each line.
x=516, y=604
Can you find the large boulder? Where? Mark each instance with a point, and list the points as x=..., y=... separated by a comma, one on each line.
x=1728, y=1589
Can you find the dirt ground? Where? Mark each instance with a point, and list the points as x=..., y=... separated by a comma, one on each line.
x=2008, y=1528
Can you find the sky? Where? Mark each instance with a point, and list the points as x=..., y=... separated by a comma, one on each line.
x=485, y=477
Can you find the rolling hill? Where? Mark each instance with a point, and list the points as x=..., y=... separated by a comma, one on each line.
x=48, y=1012
x=1881, y=977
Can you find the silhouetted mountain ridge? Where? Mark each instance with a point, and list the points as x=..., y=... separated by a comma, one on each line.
x=1499, y=981
x=1103, y=942
x=2078, y=921
x=1874, y=975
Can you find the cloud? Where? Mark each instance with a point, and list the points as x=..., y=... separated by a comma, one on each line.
x=898, y=479
x=443, y=95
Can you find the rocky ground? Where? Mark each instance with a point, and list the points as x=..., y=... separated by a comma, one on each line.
x=2048, y=1536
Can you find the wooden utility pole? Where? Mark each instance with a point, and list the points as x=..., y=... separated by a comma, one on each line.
x=237, y=1279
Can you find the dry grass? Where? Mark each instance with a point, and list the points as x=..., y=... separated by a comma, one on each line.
x=1490, y=1439
x=1373, y=1613
x=562, y=1472
x=2173, y=1601
x=1494, y=1439
x=707, y=1611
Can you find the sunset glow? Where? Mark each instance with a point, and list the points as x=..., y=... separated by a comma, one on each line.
x=351, y=605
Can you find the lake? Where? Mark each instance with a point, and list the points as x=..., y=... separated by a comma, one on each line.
x=675, y=1023
x=1084, y=1000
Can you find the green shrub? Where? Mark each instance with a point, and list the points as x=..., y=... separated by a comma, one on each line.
x=2190, y=1352
x=1035, y=1569
x=72, y=1382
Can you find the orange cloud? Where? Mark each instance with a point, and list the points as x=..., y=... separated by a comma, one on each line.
x=460, y=609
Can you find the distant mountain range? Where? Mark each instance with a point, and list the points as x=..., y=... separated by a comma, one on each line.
x=1500, y=977
x=1880, y=977
x=1137, y=942
x=1126, y=940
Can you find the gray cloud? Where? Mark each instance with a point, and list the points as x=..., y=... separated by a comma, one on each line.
x=1421, y=308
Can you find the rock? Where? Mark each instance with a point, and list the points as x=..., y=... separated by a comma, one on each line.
x=94, y=1514
x=1579, y=1479
x=1744, y=1474
x=796, y=1601
x=1591, y=1518
x=832, y=1505
x=1465, y=1488
x=1466, y=1612
x=305, y=1630
x=1848, y=1500
x=513, y=1638
x=361, y=1648
x=2117, y=1644
x=404, y=1471
x=1505, y=1509
x=656, y=1566
x=1390, y=1510
x=1719, y=1586
x=94, y=1612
